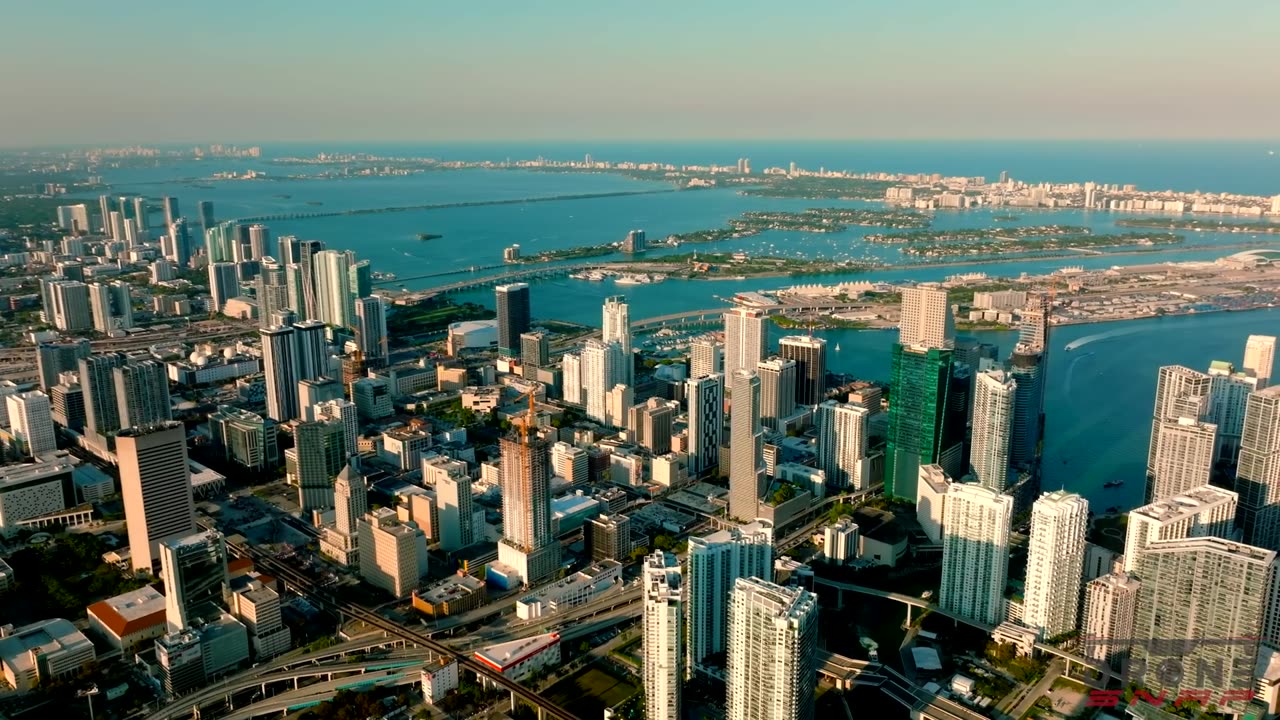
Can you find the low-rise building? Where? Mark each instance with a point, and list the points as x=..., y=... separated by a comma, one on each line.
x=454, y=595
x=518, y=659
x=126, y=622
x=43, y=652
x=840, y=541
x=577, y=589
x=439, y=678
x=481, y=399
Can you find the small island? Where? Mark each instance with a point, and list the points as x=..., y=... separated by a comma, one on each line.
x=1201, y=225
x=976, y=234
x=1007, y=245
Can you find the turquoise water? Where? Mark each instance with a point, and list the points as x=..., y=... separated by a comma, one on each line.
x=1100, y=394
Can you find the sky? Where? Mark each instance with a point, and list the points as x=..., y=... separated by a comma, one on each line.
x=86, y=71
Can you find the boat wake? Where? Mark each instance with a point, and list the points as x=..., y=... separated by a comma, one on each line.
x=1088, y=339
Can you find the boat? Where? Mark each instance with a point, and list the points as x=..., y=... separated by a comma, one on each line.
x=837, y=347
x=429, y=236
x=1113, y=483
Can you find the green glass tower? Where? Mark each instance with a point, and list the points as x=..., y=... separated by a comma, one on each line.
x=922, y=430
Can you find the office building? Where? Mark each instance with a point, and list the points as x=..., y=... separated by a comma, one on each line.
x=608, y=537
x=705, y=396
x=350, y=503
x=746, y=447
x=314, y=391
x=194, y=571
x=171, y=213
x=842, y=445
x=535, y=352
x=70, y=304
x=513, y=317
x=142, y=393
x=616, y=321
x=55, y=358
x=1230, y=391
x=1055, y=559
x=280, y=368
x=372, y=398
x=98, y=385
x=772, y=652
x=179, y=251
x=318, y=455
x=1259, y=357
x=715, y=562
x=663, y=623
x=111, y=307
x=1205, y=511
x=335, y=303
x=1027, y=370
x=67, y=405
x=388, y=552
x=1107, y=626
x=810, y=356
x=344, y=412
x=312, y=349
x=371, y=330
x=650, y=424
x=155, y=482
x=257, y=607
x=245, y=438
x=926, y=319
x=453, y=503
x=43, y=653
x=706, y=357
x=1182, y=458
x=272, y=291
x=746, y=340
x=224, y=284
x=993, y=409
x=527, y=535
x=921, y=431
x=1201, y=588
x=32, y=490
x=840, y=541
x=777, y=391
x=31, y=423
x=975, y=552
x=1258, y=469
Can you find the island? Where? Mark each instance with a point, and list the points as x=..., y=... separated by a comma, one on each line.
x=1201, y=225
x=1006, y=246
x=970, y=234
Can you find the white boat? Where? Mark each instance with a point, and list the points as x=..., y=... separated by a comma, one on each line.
x=837, y=347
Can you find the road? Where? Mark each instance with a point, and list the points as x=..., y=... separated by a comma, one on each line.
x=1029, y=697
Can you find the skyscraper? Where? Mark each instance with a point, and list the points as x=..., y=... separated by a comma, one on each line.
x=842, y=445
x=705, y=396
x=1182, y=458
x=104, y=212
x=71, y=311
x=98, y=382
x=1259, y=357
x=371, y=330
x=307, y=250
x=1180, y=392
x=526, y=509
x=287, y=252
x=224, y=284
x=280, y=368
x=111, y=306
x=746, y=340
x=772, y=654
x=571, y=373
x=705, y=357
x=1201, y=588
x=350, y=503
x=389, y=552
x=272, y=290
x=171, y=212
x=777, y=391
x=142, y=394
x=663, y=621
x=312, y=349
x=926, y=319
x=31, y=423
x=156, y=485
x=617, y=328
x=1230, y=391
x=259, y=241
x=222, y=243
x=993, y=404
x=318, y=455
x=140, y=213
x=179, y=250
x=1027, y=370
x=55, y=358
x=513, y=317
x=918, y=431
x=975, y=552
x=246, y=438
x=746, y=447
x=601, y=371
x=335, y=303
x=204, y=210
x=1107, y=625
x=535, y=352
x=194, y=571
x=1055, y=559
x=1258, y=470
x=715, y=562
x=453, y=500
x=810, y=356
x=1200, y=512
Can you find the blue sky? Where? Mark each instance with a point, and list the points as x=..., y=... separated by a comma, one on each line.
x=84, y=71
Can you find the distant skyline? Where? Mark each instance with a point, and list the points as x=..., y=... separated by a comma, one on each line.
x=85, y=72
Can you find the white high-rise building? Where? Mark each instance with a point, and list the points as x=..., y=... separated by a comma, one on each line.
x=388, y=552
x=1258, y=469
x=617, y=329
x=705, y=357
x=1202, y=588
x=1206, y=511
x=31, y=423
x=746, y=340
x=663, y=632
x=772, y=653
x=842, y=444
x=715, y=561
x=571, y=463
x=571, y=379
x=142, y=393
x=71, y=310
x=601, y=368
x=224, y=284
x=926, y=319
x=1259, y=357
x=1182, y=458
x=1180, y=392
x=975, y=552
x=1107, y=627
x=705, y=396
x=994, y=397
x=335, y=303
x=453, y=500
x=280, y=368
x=155, y=483
x=350, y=503
x=1231, y=391
x=746, y=447
x=1055, y=561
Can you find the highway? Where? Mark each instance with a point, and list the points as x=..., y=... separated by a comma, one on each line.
x=305, y=586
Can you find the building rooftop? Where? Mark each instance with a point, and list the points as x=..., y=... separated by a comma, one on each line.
x=452, y=588
x=131, y=612
x=20, y=646
x=731, y=534
x=504, y=655
x=1186, y=504
x=21, y=473
x=1213, y=544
